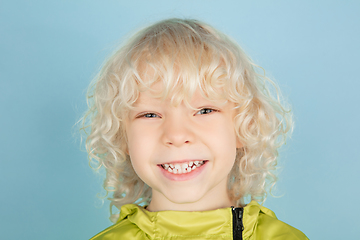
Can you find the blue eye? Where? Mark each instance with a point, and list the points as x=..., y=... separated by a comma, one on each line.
x=205, y=111
x=149, y=115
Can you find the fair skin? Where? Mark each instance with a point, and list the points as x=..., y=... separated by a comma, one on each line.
x=160, y=134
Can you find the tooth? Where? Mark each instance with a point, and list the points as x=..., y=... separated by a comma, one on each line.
x=182, y=168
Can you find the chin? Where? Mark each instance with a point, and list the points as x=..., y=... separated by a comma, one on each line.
x=185, y=197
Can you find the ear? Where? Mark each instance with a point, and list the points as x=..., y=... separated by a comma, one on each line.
x=125, y=148
x=238, y=143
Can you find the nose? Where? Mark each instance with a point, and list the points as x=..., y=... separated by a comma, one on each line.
x=177, y=130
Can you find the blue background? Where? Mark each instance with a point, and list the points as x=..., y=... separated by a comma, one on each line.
x=50, y=50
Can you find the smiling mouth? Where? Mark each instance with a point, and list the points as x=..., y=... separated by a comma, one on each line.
x=180, y=168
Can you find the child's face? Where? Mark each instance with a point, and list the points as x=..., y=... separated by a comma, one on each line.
x=160, y=134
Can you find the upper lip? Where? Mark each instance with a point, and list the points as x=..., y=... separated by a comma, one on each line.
x=182, y=161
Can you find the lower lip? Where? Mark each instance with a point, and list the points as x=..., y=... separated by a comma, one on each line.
x=183, y=176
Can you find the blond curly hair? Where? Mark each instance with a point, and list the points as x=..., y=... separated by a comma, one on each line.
x=185, y=55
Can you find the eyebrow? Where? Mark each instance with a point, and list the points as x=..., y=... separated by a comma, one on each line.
x=150, y=100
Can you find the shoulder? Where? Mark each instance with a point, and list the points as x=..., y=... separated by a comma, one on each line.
x=261, y=223
x=272, y=228
x=124, y=228
x=121, y=230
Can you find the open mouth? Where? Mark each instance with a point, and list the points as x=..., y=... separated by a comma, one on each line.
x=180, y=168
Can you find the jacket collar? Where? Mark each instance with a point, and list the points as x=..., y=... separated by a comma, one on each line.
x=165, y=224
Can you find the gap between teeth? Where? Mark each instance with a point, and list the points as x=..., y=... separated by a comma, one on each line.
x=179, y=168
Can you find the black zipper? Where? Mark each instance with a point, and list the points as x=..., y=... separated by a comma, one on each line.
x=238, y=226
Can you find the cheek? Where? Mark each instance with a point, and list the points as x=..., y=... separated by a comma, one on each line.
x=134, y=143
x=138, y=158
x=140, y=147
x=136, y=137
x=225, y=143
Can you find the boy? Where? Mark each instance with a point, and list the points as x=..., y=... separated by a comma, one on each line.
x=184, y=124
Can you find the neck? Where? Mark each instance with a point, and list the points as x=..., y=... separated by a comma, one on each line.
x=215, y=199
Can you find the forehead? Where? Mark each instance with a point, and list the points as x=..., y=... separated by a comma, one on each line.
x=178, y=83
x=158, y=94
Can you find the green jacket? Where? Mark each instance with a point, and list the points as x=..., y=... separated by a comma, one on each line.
x=256, y=222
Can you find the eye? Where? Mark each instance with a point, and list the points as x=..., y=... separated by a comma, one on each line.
x=148, y=115
x=206, y=111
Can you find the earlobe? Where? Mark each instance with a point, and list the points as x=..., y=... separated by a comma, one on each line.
x=238, y=143
x=127, y=150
